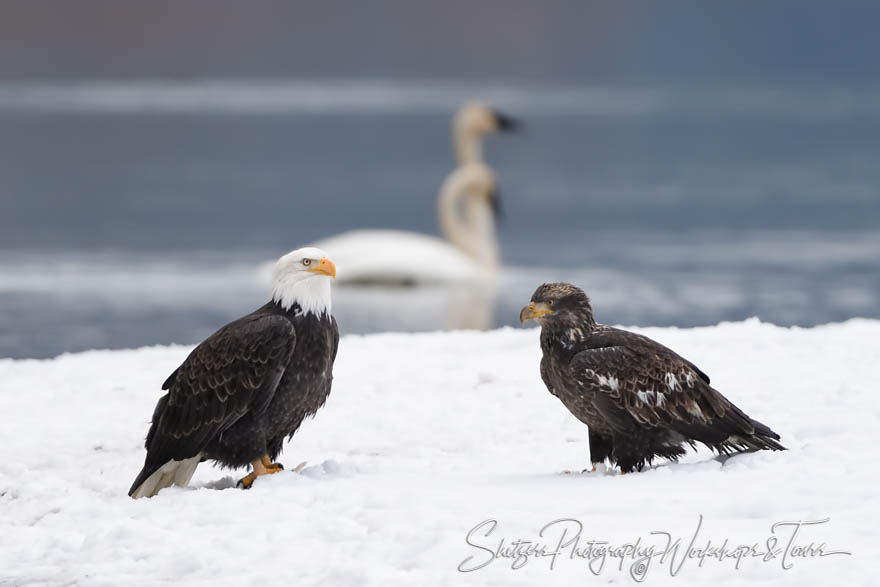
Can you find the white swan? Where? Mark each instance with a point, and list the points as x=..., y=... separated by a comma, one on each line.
x=398, y=257
x=466, y=206
x=473, y=121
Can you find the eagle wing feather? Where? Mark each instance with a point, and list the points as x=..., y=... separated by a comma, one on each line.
x=234, y=371
x=633, y=380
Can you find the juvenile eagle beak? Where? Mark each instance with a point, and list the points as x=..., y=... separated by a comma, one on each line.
x=326, y=266
x=534, y=311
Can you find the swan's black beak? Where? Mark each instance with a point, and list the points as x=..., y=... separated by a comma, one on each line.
x=506, y=123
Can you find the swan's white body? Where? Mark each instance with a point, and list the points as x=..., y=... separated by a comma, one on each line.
x=398, y=257
x=467, y=221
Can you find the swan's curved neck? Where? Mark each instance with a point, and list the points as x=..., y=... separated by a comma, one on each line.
x=468, y=145
x=467, y=221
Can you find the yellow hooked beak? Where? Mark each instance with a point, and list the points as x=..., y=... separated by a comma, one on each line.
x=534, y=311
x=326, y=266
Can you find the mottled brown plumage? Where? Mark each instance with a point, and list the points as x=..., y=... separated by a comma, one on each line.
x=639, y=399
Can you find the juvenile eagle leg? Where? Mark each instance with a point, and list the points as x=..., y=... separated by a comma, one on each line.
x=270, y=466
x=259, y=469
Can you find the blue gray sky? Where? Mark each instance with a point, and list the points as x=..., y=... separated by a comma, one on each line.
x=518, y=40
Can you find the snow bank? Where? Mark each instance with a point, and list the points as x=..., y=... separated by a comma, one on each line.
x=424, y=437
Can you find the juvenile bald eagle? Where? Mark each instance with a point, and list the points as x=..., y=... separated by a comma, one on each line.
x=250, y=384
x=639, y=399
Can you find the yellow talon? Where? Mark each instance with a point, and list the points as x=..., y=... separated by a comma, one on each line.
x=246, y=481
x=270, y=466
x=262, y=466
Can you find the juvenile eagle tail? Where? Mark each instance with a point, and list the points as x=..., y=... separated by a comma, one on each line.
x=742, y=432
x=765, y=438
x=748, y=434
x=151, y=479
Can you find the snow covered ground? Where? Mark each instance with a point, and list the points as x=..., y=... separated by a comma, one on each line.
x=426, y=436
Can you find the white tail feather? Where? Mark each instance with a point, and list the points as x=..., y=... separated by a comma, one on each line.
x=171, y=473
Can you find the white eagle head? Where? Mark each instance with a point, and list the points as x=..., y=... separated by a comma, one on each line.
x=303, y=277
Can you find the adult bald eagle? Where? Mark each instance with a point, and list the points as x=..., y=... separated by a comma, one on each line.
x=639, y=399
x=250, y=384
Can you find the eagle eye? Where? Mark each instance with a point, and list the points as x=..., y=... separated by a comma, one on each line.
x=307, y=262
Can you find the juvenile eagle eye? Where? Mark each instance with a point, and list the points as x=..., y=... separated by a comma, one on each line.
x=307, y=262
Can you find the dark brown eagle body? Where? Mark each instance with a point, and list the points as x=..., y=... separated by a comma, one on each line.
x=243, y=390
x=639, y=399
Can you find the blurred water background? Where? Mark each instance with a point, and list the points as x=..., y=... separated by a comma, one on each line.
x=137, y=202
